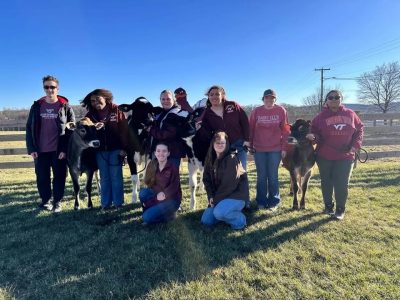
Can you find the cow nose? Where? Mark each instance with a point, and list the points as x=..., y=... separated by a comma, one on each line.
x=96, y=144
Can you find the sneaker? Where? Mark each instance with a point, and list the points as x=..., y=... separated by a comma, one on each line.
x=171, y=217
x=273, y=208
x=57, y=207
x=329, y=211
x=109, y=207
x=46, y=205
x=339, y=216
x=247, y=205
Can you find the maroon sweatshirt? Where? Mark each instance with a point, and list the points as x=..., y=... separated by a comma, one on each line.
x=336, y=133
x=167, y=181
x=234, y=122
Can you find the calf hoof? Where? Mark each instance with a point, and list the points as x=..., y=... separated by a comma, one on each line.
x=302, y=207
x=295, y=207
x=290, y=194
x=90, y=207
x=76, y=207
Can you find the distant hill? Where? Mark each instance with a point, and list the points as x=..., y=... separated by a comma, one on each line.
x=367, y=108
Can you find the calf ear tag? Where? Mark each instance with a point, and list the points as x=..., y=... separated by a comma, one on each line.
x=99, y=125
x=70, y=125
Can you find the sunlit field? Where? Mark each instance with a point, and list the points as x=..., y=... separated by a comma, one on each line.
x=91, y=254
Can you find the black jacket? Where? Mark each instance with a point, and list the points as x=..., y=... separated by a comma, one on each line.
x=33, y=125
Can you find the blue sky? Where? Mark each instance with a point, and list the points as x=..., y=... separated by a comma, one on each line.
x=138, y=48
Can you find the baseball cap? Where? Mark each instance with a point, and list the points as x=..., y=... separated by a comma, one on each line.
x=269, y=92
x=180, y=91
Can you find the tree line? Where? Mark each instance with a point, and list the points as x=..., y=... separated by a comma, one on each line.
x=379, y=87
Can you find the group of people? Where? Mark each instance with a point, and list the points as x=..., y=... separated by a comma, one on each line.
x=224, y=126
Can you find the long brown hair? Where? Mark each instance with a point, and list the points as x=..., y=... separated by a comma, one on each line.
x=151, y=170
x=211, y=154
x=106, y=94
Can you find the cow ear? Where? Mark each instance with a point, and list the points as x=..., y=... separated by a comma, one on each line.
x=70, y=125
x=99, y=125
x=124, y=107
x=157, y=110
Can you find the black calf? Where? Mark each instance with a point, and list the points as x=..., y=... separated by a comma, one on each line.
x=81, y=156
x=299, y=160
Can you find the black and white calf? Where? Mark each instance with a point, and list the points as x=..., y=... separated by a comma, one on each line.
x=196, y=152
x=142, y=114
x=81, y=156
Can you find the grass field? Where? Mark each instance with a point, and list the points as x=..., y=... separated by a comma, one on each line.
x=284, y=255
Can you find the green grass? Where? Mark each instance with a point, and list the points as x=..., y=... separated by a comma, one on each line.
x=284, y=255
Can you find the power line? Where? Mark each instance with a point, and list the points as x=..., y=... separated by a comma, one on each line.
x=360, y=77
x=384, y=47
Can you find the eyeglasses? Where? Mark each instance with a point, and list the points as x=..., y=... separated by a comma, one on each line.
x=51, y=87
x=333, y=98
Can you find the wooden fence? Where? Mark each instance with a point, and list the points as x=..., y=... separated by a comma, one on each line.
x=380, y=129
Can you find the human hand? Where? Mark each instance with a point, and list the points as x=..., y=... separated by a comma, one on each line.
x=310, y=137
x=198, y=125
x=62, y=155
x=211, y=202
x=353, y=150
x=34, y=155
x=283, y=154
x=161, y=196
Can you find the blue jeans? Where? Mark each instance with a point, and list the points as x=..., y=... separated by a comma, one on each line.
x=227, y=210
x=267, y=164
x=241, y=155
x=161, y=212
x=111, y=181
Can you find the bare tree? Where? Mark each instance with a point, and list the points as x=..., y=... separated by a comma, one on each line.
x=381, y=87
x=312, y=101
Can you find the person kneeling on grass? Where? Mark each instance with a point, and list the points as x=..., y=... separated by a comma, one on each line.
x=162, y=197
x=226, y=183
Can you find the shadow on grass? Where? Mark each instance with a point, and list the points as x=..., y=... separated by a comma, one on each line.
x=92, y=253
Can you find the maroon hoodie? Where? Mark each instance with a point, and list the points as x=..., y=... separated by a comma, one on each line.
x=234, y=122
x=336, y=133
x=167, y=181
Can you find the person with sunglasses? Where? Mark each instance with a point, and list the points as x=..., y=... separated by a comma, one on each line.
x=226, y=184
x=113, y=145
x=338, y=133
x=46, y=142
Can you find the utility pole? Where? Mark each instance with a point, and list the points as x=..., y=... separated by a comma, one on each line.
x=321, y=99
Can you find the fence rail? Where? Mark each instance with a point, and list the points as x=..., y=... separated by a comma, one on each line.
x=377, y=119
x=378, y=134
